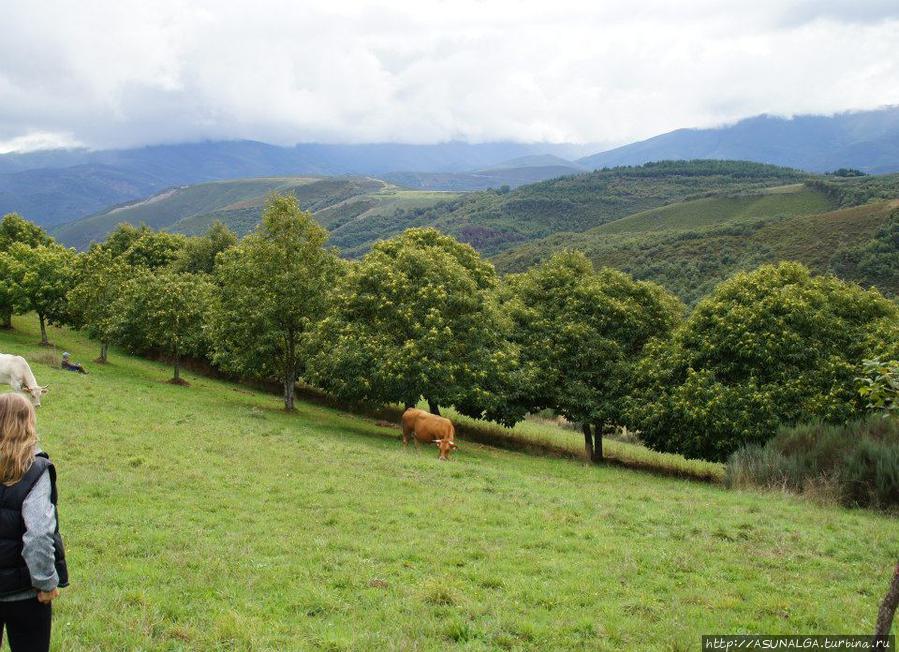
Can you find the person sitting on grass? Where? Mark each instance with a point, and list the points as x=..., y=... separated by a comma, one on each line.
x=32, y=558
x=68, y=365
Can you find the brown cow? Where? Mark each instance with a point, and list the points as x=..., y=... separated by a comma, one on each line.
x=429, y=428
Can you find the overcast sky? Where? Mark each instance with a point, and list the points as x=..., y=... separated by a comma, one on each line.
x=124, y=73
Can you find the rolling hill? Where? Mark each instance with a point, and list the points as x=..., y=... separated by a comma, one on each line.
x=691, y=246
x=866, y=140
x=492, y=220
x=337, y=202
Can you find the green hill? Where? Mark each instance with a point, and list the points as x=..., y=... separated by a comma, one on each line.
x=690, y=247
x=335, y=201
x=205, y=518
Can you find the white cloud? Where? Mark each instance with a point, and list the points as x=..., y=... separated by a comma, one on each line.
x=127, y=73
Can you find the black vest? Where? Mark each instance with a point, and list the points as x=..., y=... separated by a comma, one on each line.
x=14, y=575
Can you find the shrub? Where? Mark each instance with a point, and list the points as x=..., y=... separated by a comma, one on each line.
x=856, y=464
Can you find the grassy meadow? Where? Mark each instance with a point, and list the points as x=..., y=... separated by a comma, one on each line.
x=205, y=518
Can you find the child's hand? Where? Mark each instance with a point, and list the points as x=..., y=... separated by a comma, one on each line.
x=46, y=597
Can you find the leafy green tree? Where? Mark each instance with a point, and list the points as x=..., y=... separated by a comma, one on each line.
x=879, y=385
x=39, y=279
x=164, y=311
x=143, y=247
x=273, y=289
x=769, y=347
x=581, y=333
x=417, y=317
x=14, y=229
x=199, y=253
x=92, y=301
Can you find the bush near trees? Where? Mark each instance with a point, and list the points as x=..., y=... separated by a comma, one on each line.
x=856, y=464
x=417, y=317
x=769, y=347
x=581, y=333
x=273, y=288
x=164, y=311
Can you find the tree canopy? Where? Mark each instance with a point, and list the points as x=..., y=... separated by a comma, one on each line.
x=415, y=317
x=768, y=347
x=581, y=333
x=164, y=311
x=274, y=287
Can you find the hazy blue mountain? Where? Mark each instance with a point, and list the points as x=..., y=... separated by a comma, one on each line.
x=54, y=187
x=866, y=140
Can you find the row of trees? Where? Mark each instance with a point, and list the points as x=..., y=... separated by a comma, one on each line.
x=423, y=315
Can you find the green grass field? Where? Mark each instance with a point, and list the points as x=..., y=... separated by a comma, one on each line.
x=204, y=518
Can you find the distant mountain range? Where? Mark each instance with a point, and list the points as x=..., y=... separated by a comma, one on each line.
x=866, y=140
x=58, y=186
x=63, y=185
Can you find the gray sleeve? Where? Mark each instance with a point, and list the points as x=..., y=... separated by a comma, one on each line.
x=39, y=515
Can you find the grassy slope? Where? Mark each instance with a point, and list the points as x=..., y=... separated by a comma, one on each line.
x=204, y=518
x=349, y=202
x=169, y=207
x=691, y=247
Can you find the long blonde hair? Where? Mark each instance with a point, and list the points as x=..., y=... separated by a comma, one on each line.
x=18, y=437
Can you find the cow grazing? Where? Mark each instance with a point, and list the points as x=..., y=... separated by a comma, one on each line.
x=15, y=372
x=429, y=428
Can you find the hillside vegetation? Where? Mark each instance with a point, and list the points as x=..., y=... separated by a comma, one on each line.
x=191, y=210
x=206, y=518
x=692, y=246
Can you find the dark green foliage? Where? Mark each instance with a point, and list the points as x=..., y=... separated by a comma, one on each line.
x=775, y=346
x=199, y=253
x=416, y=317
x=847, y=172
x=856, y=464
x=581, y=332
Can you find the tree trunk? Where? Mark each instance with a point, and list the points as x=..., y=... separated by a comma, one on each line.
x=104, y=352
x=588, y=441
x=888, y=607
x=290, y=373
x=177, y=376
x=289, y=391
x=44, y=340
x=433, y=408
x=597, y=450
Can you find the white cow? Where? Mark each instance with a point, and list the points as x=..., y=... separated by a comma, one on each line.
x=14, y=370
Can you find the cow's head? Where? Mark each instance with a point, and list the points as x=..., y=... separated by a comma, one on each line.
x=35, y=393
x=446, y=446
